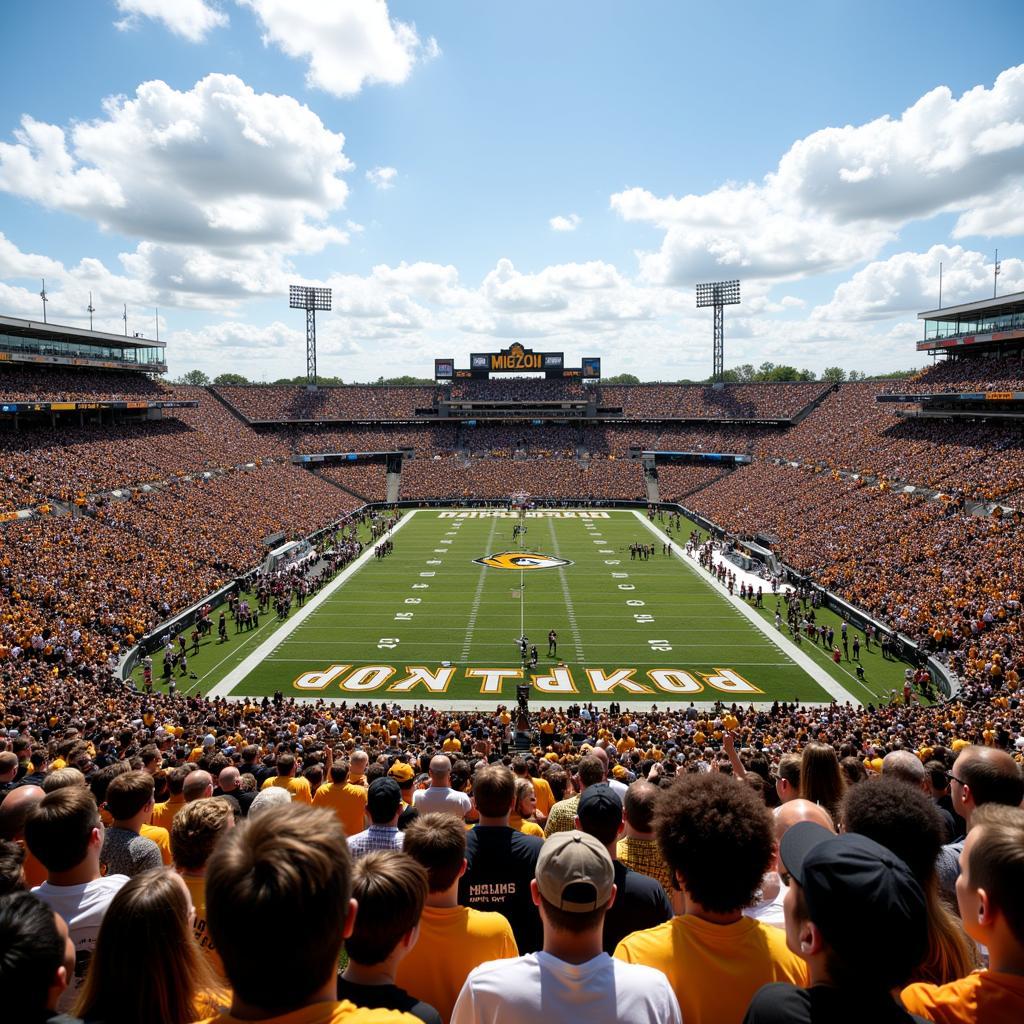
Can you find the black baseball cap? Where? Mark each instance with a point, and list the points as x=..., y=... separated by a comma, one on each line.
x=600, y=812
x=383, y=798
x=860, y=895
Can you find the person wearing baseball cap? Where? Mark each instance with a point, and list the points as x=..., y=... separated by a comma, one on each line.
x=404, y=775
x=640, y=901
x=571, y=977
x=383, y=805
x=857, y=915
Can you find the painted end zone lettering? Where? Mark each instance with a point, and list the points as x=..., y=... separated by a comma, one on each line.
x=365, y=678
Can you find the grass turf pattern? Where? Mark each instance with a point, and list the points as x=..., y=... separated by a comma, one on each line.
x=431, y=622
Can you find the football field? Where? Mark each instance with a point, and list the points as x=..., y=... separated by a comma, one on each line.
x=439, y=618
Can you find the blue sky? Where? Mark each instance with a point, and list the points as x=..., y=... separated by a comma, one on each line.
x=465, y=175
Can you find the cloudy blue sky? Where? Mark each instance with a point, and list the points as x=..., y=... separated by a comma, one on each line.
x=465, y=174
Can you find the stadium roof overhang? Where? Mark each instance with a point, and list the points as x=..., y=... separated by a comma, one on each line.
x=34, y=329
x=1013, y=303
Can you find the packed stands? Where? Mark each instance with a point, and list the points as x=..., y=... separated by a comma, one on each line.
x=223, y=519
x=270, y=403
x=26, y=383
x=423, y=440
x=367, y=480
x=850, y=431
x=516, y=389
x=676, y=482
x=70, y=462
x=951, y=375
x=729, y=401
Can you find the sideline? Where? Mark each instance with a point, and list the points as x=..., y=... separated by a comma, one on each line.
x=239, y=672
x=827, y=682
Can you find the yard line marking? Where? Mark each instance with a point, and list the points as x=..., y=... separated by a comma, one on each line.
x=827, y=682
x=570, y=611
x=475, y=608
x=239, y=672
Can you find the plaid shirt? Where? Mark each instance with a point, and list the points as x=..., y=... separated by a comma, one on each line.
x=643, y=855
x=562, y=817
x=376, y=837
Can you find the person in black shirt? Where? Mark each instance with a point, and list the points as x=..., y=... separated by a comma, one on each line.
x=856, y=914
x=501, y=862
x=390, y=889
x=640, y=901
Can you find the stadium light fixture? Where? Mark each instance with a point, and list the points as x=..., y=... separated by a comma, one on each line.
x=718, y=294
x=301, y=296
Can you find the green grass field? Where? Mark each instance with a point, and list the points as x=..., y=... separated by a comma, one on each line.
x=429, y=622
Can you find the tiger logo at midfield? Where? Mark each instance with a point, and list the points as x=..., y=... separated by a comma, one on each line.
x=520, y=560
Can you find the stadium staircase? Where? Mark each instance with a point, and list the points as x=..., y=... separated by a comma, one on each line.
x=812, y=405
x=394, y=486
x=227, y=405
x=651, y=480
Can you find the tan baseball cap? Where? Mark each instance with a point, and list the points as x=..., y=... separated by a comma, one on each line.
x=574, y=872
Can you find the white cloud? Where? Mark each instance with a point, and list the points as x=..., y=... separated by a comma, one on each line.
x=219, y=165
x=191, y=19
x=347, y=43
x=382, y=178
x=560, y=223
x=908, y=282
x=840, y=194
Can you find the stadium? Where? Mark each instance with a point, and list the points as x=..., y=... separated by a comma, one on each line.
x=523, y=682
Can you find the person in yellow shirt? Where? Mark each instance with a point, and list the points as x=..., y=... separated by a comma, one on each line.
x=194, y=834
x=453, y=939
x=990, y=896
x=283, y=868
x=164, y=813
x=345, y=799
x=717, y=837
x=286, y=778
x=451, y=744
x=541, y=790
x=521, y=818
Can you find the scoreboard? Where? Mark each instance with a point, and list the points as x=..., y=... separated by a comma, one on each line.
x=517, y=359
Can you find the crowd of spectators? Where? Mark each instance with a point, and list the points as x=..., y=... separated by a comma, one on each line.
x=951, y=375
x=518, y=389
x=677, y=481
x=714, y=827
x=511, y=439
x=223, y=519
x=163, y=834
x=500, y=477
x=851, y=431
x=26, y=383
x=366, y=480
x=949, y=581
x=69, y=462
x=280, y=403
x=426, y=440
x=728, y=401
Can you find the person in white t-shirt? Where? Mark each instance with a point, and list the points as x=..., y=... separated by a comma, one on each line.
x=571, y=978
x=439, y=797
x=65, y=834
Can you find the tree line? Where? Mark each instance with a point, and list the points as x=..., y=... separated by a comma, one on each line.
x=766, y=373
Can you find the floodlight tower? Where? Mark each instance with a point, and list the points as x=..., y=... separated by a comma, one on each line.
x=310, y=299
x=719, y=294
